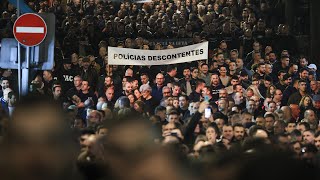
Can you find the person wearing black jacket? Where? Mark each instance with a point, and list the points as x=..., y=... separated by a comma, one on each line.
x=190, y=126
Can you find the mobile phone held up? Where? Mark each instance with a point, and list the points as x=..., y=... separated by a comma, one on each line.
x=207, y=113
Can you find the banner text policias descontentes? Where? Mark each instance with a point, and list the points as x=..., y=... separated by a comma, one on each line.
x=125, y=56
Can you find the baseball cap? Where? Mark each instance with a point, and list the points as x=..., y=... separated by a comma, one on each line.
x=312, y=66
x=316, y=97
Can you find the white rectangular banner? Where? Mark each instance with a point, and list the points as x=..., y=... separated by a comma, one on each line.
x=142, y=1
x=126, y=56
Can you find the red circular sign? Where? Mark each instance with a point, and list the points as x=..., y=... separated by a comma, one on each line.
x=30, y=29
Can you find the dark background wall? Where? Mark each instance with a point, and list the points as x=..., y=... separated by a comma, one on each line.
x=303, y=17
x=315, y=31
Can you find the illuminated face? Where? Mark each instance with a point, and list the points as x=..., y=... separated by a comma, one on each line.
x=85, y=86
x=4, y=84
x=238, y=98
x=110, y=94
x=223, y=93
x=176, y=90
x=57, y=92
x=238, y=132
x=220, y=58
x=272, y=107
x=308, y=137
x=268, y=68
x=160, y=79
x=183, y=103
x=186, y=73
x=204, y=69
x=303, y=86
x=137, y=93
x=175, y=103
x=222, y=105
x=307, y=101
x=262, y=69
x=304, y=74
x=128, y=87
x=313, y=85
x=295, y=69
x=144, y=79
x=285, y=62
x=239, y=63
x=303, y=62
x=173, y=118
x=227, y=132
x=219, y=122
x=211, y=134
x=251, y=106
x=102, y=51
x=249, y=93
x=290, y=127
x=316, y=104
x=135, y=84
x=205, y=91
x=269, y=123
x=108, y=81
x=239, y=88
x=311, y=116
x=214, y=79
x=47, y=76
x=223, y=71
x=260, y=121
x=272, y=57
x=195, y=73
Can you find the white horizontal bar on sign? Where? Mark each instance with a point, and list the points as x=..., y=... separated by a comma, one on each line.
x=143, y=1
x=30, y=29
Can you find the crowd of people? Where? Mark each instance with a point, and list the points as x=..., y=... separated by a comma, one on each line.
x=249, y=111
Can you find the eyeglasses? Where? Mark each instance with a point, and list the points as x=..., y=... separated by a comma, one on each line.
x=165, y=92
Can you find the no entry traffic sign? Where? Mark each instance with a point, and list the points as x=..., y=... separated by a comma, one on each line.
x=30, y=29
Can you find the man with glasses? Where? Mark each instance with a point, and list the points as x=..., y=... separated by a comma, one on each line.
x=166, y=92
x=157, y=88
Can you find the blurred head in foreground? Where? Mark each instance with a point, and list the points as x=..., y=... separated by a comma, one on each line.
x=38, y=145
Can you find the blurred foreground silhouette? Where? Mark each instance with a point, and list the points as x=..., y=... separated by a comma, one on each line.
x=37, y=143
